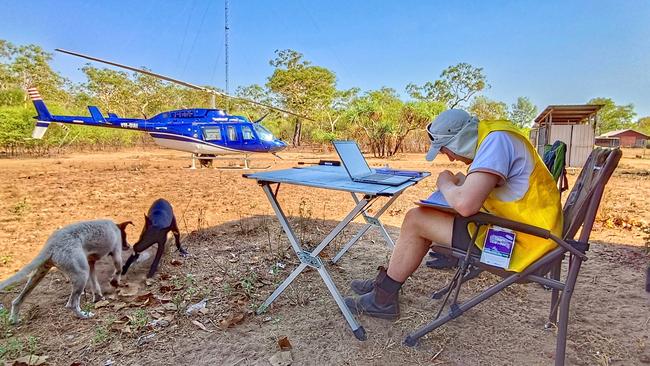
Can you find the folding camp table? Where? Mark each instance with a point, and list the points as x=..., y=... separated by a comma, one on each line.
x=334, y=178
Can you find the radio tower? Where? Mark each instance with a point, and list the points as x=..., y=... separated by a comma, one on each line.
x=227, y=30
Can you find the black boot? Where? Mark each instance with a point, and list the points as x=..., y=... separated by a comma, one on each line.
x=362, y=287
x=381, y=302
x=442, y=262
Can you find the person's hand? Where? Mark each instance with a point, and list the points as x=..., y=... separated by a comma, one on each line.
x=445, y=177
x=460, y=178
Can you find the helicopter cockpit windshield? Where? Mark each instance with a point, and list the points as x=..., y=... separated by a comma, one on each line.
x=262, y=132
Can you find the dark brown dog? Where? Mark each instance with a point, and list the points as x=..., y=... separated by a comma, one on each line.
x=159, y=221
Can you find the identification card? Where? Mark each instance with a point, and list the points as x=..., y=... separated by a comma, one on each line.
x=498, y=246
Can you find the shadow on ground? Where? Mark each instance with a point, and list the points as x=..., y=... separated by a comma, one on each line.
x=235, y=266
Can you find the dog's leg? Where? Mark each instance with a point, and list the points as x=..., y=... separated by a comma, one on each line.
x=94, y=284
x=78, y=271
x=128, y=263
x=156, y=260
x=177, y=238
x=33, y=280
x=78, y=280
x=138, y=248
x=117, y=262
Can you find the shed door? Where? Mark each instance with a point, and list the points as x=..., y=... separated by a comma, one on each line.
x=579, y=140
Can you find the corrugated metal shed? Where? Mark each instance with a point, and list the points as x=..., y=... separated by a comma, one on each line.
x=574, y=125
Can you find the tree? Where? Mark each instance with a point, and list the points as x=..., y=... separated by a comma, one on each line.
x=643, y=125
x=113, y=90
x=487, y=109
x=377, y=114
x=523, y=112
x=415, y=116
x=611, y=116
x=457, y=84
x=301, y=87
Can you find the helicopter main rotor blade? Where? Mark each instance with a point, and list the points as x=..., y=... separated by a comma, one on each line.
x=181, y=82
x=143, y=71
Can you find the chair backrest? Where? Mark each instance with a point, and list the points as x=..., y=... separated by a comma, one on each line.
x=582, y=203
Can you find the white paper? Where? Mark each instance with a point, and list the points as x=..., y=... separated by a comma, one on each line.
x=437, y=199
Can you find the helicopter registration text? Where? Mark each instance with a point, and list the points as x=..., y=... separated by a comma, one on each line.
x=129, y=125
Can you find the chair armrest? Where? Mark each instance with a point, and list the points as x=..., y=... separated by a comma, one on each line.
x=489, y=219
x=486, y=218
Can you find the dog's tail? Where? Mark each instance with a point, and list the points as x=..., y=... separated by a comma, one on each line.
x=40, y=259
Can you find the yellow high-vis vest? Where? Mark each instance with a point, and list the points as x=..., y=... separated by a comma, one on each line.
x=540, y=206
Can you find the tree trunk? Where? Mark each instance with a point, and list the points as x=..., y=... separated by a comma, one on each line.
x=297, y=132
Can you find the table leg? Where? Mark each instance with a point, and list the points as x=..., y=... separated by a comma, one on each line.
x=311, y=259
x=370, y=222
x=357, y=329
x=262, y=308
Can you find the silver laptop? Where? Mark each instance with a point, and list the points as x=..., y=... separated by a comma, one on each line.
x=358, y=168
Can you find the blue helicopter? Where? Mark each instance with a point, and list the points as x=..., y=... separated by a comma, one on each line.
x=206, y=133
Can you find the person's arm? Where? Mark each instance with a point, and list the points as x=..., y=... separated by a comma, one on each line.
x=467, y=195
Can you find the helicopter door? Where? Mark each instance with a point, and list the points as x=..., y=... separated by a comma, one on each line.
x=233, y=137
x=248, y=137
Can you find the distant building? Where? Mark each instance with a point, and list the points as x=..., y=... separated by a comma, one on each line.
x=623, y=138
x=575, y=125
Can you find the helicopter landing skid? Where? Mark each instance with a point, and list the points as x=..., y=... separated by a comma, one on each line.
x=206, y=162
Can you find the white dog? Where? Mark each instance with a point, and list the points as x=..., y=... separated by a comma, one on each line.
x=74, y=250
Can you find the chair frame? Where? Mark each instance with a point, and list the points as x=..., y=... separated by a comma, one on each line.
x=550, y=263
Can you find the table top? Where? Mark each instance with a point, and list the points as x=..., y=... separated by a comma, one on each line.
x=330, y=177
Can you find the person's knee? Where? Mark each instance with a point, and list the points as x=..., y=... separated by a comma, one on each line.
x=428, y=224
x=413, y=217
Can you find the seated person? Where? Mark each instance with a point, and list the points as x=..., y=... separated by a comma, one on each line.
x=506, y=177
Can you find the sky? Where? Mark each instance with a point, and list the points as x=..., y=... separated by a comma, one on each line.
x=553, y=52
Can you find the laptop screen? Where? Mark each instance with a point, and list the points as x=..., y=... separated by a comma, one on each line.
x=352, y=158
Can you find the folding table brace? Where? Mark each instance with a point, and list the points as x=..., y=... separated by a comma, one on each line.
x=311, y=259
x=370, y=222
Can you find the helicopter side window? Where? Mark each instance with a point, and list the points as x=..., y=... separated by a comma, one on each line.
x=232, y=133
x=247, y=133
x=212, y=133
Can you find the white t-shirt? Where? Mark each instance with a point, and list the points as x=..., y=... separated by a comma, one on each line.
x=507, y=156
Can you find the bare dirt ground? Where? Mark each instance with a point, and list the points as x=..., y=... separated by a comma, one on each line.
x=239, y=255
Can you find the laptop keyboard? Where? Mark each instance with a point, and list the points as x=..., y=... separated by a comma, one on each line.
x=378, y=176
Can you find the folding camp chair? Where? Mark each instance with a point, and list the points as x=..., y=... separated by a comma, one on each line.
x=579, y=211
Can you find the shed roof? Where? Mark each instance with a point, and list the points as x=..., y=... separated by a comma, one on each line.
x=620, y=132
x=566, y=114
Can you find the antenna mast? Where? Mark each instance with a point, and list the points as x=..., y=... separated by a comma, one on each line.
x=227, y=30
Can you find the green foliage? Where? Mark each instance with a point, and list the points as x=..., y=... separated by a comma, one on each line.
x=643, y=125
x=138, y=319
x=11, y=97
x=457, y=84
x=379, y=119
x=523, y=112
x=5, y=323
x=488, y=109
x=15, y=347
x=323, y=137
x=301, y=87
x=611, y=116
x=376, y=115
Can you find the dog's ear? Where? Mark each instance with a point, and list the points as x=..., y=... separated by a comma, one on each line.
x=122, y=226
x=147, y=221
